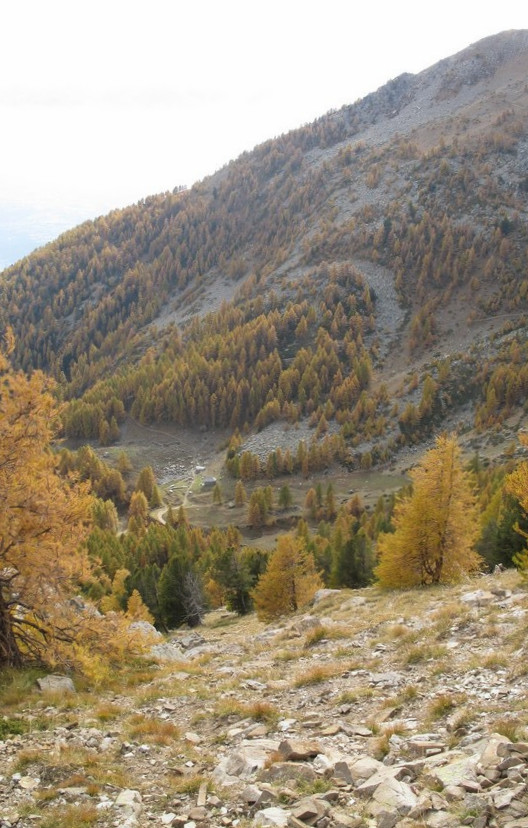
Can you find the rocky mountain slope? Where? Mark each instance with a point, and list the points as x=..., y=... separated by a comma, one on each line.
x=404, y=709
x=324, y=305
x=417, y=193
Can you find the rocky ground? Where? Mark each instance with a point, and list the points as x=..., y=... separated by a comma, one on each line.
x=404, y=709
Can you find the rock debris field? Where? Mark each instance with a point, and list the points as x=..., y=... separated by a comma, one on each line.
x=370, y=709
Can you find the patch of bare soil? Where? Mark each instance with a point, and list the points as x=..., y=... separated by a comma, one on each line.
x=198, y=300
x=173, y=452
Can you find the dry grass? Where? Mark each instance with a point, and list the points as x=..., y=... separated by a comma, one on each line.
x=72, y=816
x=495, y=661
x=108, y=712
x=305, y=787
x=46, y=795
x=284, y=656
x=356, y=695
x=263, y=711
x=260, y=711
x=462, y=720
x=326, y=634
x=415, y=628
x=396, y=631
x=451, y=613
x=136, y=675
x=511, y=728
x=28, y=757
x=18, y=687
x=166, y=681
x=408, y=694
x=318, y=674
x=519, y=669
x=79, y=757
x=77, y=762
x=153, y=731
x=443, y=704
x=380, y=745
x=424, y=652
x=76, y=780
x=187, y=784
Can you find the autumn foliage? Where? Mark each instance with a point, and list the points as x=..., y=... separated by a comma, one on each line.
x=43, y=519
x=435, y=527
x=289, y=582
x=517, y=485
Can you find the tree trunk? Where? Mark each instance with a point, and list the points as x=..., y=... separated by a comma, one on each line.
x=10, y=655
x=293, y=594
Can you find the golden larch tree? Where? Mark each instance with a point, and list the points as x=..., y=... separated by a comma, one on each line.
x=240, y=494
x=516, y=484
x=289, y=582
x=435, y=527
x=43, y=518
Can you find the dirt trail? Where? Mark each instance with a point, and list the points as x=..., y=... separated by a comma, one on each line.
x=157, y=514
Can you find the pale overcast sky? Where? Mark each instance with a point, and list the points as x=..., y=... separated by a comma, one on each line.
x=105, y=102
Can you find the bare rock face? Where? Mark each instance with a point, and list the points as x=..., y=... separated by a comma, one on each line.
x=381, y=777
x=310, y=809
x=479, y=598
x=459, y=771
x=145, y=629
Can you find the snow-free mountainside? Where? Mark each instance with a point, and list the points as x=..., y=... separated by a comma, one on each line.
x=263, y=482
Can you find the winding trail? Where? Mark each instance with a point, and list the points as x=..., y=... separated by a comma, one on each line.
x=157, y=514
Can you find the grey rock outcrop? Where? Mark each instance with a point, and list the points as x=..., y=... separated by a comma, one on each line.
x=55, y=683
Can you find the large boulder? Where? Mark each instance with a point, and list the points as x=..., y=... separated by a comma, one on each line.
x=146, y=630
x=296, y=751
x=287, y=771
x=385, y=775
x=321, y=594
x=393, y=800
x=55, y=683
x=244, y=762
x=458, y=772
x=271, y=818
x=168, y=651
x=355, y=772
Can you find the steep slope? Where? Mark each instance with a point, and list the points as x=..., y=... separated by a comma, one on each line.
x=395, y=226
